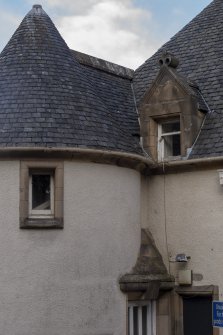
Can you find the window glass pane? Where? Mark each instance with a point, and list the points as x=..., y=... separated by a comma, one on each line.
x=170, y=127
x=135, y=320
x=171, y=145
x=40, y=192
x=176, y=145
x=144, y=320
x=140, y=319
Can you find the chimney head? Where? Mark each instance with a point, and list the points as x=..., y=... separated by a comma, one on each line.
x=168, y=59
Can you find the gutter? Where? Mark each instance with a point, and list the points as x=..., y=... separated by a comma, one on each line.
x=123, y=159
x=145, y=165
x=187, y=165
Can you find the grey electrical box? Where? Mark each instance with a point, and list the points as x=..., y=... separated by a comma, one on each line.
x=185, y=277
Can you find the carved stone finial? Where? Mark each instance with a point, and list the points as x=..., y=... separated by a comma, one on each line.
x=37, y=7
x=149, y=273
x=168, y=59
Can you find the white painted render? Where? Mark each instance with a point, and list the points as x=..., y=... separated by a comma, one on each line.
x=184, y=212
x=55, y=282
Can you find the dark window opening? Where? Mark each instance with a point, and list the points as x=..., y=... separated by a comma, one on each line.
x=41, y=192
x=197, y=315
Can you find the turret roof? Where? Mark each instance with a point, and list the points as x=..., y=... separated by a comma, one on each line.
x=46, y=97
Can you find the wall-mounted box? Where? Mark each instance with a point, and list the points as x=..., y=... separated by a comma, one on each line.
x=185, y=277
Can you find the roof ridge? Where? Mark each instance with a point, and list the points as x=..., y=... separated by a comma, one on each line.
x=103, y=65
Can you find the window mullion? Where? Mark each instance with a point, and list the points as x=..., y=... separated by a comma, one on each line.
x=140, y=320
x=131, y=327
x=153, y=313
x=149, y=319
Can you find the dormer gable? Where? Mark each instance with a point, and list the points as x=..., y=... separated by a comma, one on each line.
x=171, y=113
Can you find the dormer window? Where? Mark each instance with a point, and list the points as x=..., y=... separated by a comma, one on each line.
x=171, y=113
x=169, y=144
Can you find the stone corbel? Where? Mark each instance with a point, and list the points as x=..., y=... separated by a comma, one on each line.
x=149, y=275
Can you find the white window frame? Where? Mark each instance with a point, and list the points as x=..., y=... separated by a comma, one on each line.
x=151, y=317
x=161, y=136
x=42, y=213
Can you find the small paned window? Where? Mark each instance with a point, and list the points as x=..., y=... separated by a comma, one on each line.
x=41, y=194
x=142, y=318
x=169, y=143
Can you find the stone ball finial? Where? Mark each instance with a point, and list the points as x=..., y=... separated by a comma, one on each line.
x=37, y=7
x=168, y=59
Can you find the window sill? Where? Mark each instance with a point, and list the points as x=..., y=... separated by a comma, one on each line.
x=170, y=158
x=47, y=223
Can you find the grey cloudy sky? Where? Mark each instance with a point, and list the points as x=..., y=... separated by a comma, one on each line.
x=126, y=32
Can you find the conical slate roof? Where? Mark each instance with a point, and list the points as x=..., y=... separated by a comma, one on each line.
x=199, y=48
x=46, y=98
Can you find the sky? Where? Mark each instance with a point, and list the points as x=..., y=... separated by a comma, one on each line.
x=126, y=32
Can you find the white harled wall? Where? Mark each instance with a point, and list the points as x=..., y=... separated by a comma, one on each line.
x=184, y=212
x=55, y=282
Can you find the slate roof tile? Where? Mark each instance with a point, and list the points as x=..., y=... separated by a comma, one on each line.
x=48, y=99
x=114, y=86
x=198, y=46
x=50, y=95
